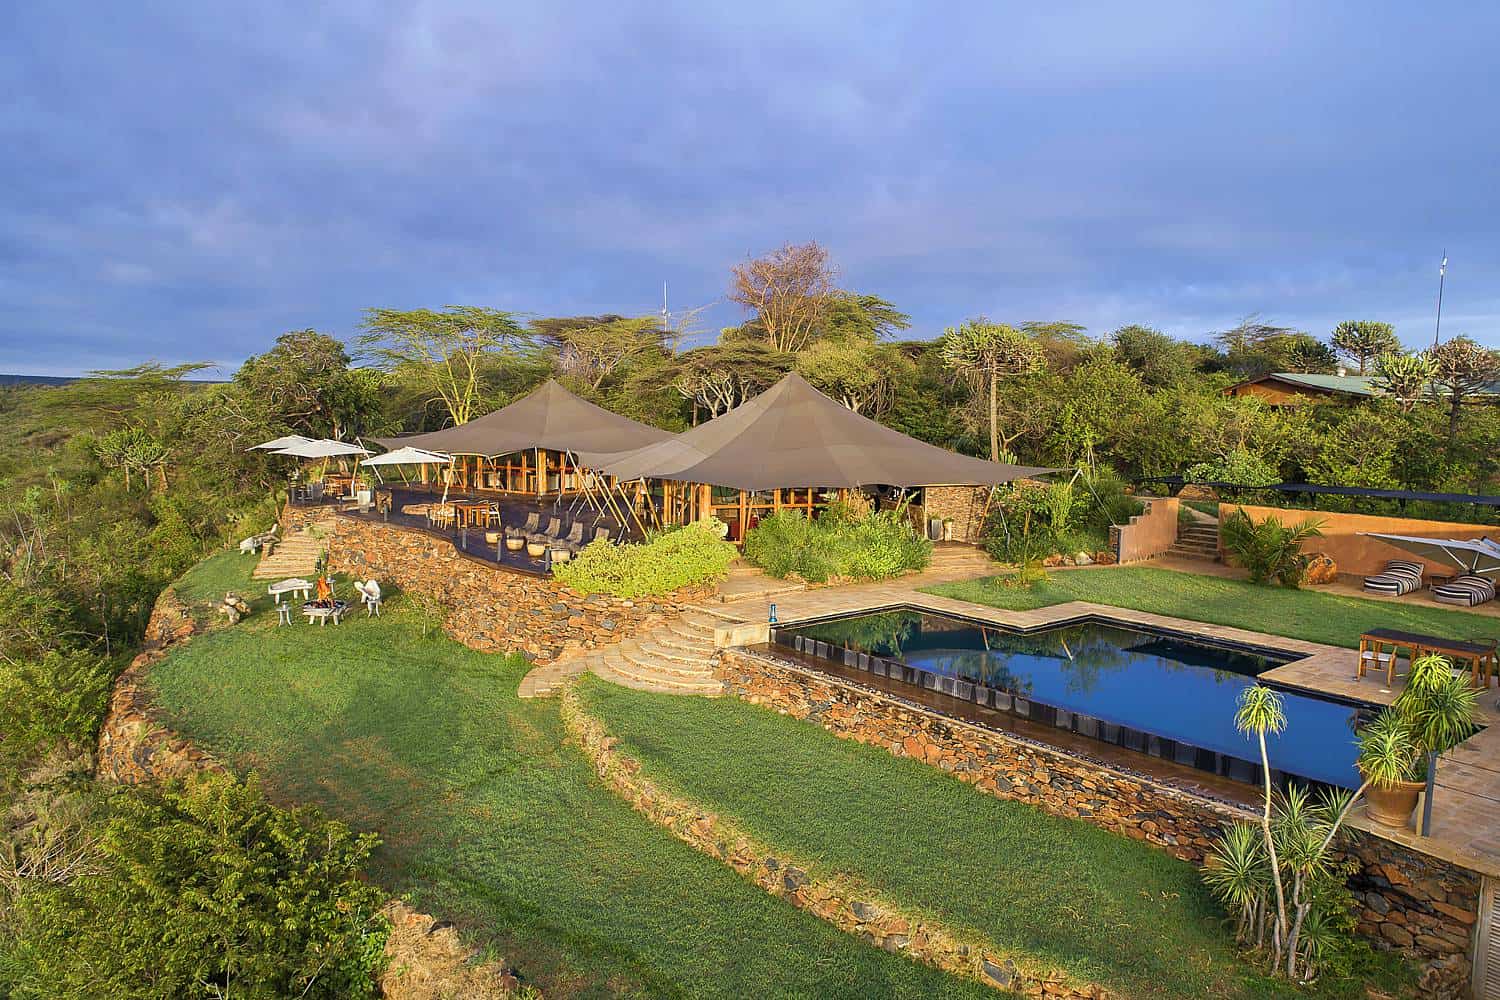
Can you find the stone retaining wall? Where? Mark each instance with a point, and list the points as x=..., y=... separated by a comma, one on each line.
x=493, y=609
x=851, y=907
x=1422, y=906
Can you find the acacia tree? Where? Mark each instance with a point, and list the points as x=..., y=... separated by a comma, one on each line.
x=1461, y=369
x=985, y=353
x=1362, y=341
x=594, y=348
x=861, y=374
x=789, y=290
x=306, y=380
x=717, y=379
x=445, y=349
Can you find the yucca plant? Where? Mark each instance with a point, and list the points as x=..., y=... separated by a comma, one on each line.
x=1439, y=707
x=1237, y=875
x=1260, y=712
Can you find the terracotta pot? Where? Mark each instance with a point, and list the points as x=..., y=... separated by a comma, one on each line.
x=515, y=544
x=1392, y=805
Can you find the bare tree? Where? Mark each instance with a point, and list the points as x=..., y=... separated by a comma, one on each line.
x=789, y=290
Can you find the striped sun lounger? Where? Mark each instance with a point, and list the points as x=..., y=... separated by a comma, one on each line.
x=1465, y=591
x=1401, y=576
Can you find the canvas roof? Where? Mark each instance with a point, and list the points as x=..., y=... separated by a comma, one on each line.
x=548, y=417
x=792, y=435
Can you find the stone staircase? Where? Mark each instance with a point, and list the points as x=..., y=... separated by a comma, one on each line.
x=295, y=555
x=675, y=658
x=1198, y=540
x=956, y=561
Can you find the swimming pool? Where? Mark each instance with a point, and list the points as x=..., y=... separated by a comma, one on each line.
x=1160, y=693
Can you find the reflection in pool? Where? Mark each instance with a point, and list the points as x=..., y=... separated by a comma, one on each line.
x=1169, y=695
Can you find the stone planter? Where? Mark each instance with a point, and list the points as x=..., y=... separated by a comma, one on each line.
x=492, y=537
x=515, y=543
x=1392, y=805
x=536, y=549
x=561, y=555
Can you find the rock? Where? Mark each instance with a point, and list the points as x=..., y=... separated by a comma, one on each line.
x=864, y=912
x=1321, y=569
x=1001, y=974
x=1083, y=559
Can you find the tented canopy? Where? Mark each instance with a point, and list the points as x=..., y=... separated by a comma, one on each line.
x=321, y=449
x=276, y=444
x=1472, y=555
x=549, y=417
x=792, y=436
x=409, y=456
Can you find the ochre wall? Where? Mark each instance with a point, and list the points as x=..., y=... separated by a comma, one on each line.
x=1272, y=393
x=1149, y=533
x=1356, y=554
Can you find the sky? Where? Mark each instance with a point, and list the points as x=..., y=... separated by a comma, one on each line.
x=184, y=182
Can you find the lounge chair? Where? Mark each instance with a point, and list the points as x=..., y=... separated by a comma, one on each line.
x=554, y=529
x=532, y=525
x=1401, y=576
x=573, y=541
x=1465, y=591
x=601, y=533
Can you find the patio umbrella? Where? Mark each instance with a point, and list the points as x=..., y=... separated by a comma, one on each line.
x=322, y=448
x=413, y=456
x=1474, y=556
x=278, y=443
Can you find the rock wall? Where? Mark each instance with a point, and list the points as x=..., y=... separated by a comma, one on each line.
x=853, y=908
x=494, y=609
x=1422, y=906
x=964, y=504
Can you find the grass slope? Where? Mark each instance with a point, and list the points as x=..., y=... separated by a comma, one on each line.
x=1299, y=614
x=490, y=821
x=1106, y=908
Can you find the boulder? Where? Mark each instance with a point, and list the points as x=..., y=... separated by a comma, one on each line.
x=1321, y=569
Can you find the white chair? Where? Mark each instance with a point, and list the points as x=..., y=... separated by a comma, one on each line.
x=369, y=595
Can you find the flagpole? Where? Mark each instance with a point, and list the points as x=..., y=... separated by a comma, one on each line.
x=1442, y=273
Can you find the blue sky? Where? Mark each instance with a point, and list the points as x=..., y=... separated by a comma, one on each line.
x=186, y=181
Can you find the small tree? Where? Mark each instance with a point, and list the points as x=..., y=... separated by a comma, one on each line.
x=1461, y=368
x=861, y=374
x=1260, y=712
x=1404, y=377
x=789, y=290
x=593, y=348
x=1363, y=340
x=985, y=353
x=1270, y=550
x=446, y=349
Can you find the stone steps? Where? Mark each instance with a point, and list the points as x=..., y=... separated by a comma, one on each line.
x=619, y=670
x=295, y=555
x=653, y=664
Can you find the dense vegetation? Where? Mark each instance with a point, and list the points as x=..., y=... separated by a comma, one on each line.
x=844, y=543
x=688, y=556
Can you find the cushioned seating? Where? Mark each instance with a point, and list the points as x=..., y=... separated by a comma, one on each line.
x=1401, y=576
x=1465, y=591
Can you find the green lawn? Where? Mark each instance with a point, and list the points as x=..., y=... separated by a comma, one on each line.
x=1108, y=909
x=1298, y=614
x=220, y=573
x=490, y=821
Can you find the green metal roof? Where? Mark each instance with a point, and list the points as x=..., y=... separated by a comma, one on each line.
x=1352, y=385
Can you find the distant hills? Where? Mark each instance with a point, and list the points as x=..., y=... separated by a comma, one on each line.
x=36, y=379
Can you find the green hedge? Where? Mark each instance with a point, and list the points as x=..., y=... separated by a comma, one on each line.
x=683, y=557
x=873, y=547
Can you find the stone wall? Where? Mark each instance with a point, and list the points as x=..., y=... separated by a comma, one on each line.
x=494, y=609
x=964, y=504
x=1148, y=534
x=1422, y=906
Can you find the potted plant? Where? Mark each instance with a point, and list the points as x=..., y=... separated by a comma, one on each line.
x=1399, y=751
x=1390, y=763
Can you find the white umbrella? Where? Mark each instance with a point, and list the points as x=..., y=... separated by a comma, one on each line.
x=281, y=442
x=321, y=449
x=1472, y=555
x=410, y=456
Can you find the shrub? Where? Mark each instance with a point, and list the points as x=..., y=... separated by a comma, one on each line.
x=1238, y=468
x=682, y=557
x=1270, y=550
x=201, y=890
x=841, y=543
x=1032, y=519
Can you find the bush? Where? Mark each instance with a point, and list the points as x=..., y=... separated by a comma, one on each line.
x=201, y=890
x=1239, y=468
x=1032, y=519
x=682, y=557
x=1270, y=550
x=842, y=543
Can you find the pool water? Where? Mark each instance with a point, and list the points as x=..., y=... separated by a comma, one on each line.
x=1168, y=695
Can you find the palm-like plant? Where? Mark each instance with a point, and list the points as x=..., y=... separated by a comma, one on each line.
x=1260, y=712
x=1237, y=875
x=1439, y=707
x=1269, y=550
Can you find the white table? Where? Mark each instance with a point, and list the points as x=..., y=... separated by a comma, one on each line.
x=296, y=585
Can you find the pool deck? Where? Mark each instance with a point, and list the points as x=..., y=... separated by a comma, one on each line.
x=1466, y=806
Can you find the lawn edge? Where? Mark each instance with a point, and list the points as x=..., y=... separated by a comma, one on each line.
x=842, y=901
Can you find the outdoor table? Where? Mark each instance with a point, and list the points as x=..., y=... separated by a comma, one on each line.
x=472, y=512
x=320, y=613
x=295, y=585
x=1479, y=654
